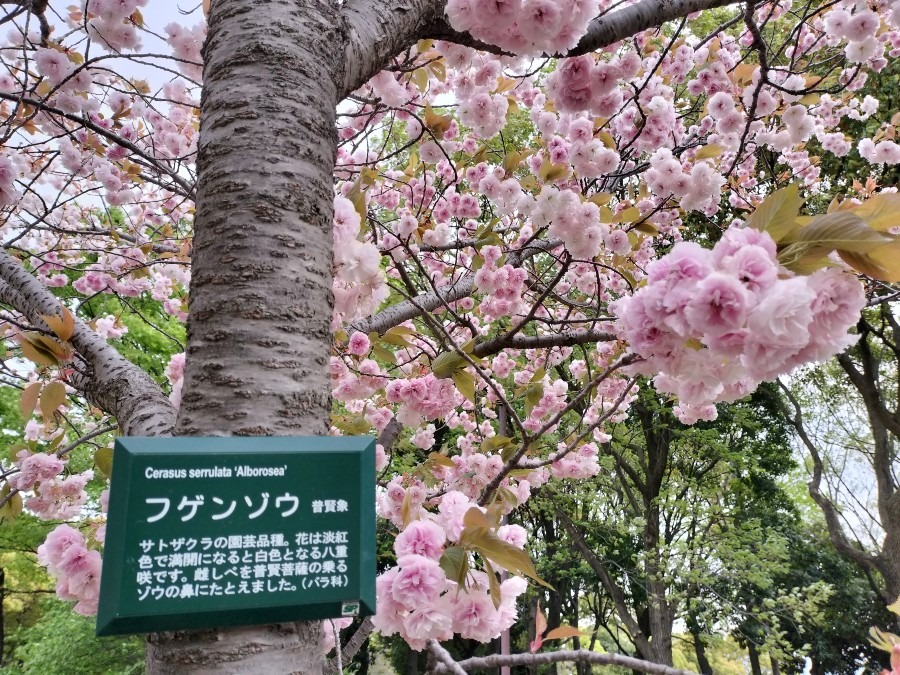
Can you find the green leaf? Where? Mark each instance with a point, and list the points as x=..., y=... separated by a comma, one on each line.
x=534, y=392
x=383, y=353
x=13, y=506
x=493, y=584
x=490, y=547
x=103, y=459
x=447, y=363
x=777, y=214
x=495, y=442
x=455, y=563
x=52, y=396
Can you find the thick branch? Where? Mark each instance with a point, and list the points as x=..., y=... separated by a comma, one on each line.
x=602, y=31
x=113, y=383
x=379, y=30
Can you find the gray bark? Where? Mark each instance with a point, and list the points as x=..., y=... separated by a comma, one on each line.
x=261, y=302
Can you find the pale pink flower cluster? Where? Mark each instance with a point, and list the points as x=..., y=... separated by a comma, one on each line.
x=359, y=285
x=575, y=222
x=712, y=325
x=485, y=114
x=59, y=499
x=109, y=327
x=697, y=190
x=580, y=463
x=426, y=397
x=8, y=193
x=416, y=600
x=525, y=27
x=110, y=25
x=175, y=375
x=35, y=468
x=503, y=285
x=581, y=83
x=859, y=30
x=75, y=567
x=186, y=44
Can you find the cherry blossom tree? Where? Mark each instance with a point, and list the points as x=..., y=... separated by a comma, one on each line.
x=465, y=227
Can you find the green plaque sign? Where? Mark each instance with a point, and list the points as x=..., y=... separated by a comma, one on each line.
x=207, y=532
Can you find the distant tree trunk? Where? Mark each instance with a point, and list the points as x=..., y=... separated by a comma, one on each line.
x=776, y=668
x=700, y=651
x=261, y=299
x=755, y=668
x=412, y=662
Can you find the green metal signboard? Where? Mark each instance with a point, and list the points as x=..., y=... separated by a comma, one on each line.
x=207, y=532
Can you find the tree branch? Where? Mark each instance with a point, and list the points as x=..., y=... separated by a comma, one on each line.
x=113, y=383
x=602, y=31
x=579, y=656
x=464, y=287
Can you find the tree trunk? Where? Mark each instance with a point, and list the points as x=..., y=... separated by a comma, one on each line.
x=755, y=668
x=700, y=651
x=260, y=302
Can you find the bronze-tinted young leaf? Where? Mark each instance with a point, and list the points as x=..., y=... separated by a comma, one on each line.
x=442, y=460
x=63, y=324
x=475, y=517
x=881, y=212
x=883, y=263
x=564, y=633
x=777, y=213
x=550, y=172
x=841, y=230
x=499, y=552
x=36, y=351
x=29, y=398
x=710, y=151
x=52, y=396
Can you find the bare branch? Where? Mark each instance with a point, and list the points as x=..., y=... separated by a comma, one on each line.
x=579, y=656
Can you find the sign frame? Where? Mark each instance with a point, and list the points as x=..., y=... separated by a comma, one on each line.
x=353, y=455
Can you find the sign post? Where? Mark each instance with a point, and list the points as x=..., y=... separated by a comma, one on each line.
x=207, y=532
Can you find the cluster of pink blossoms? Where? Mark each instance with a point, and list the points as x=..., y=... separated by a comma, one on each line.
x=527, y=27
x=416, y=600
x=359, y=286
x=713, y=324
x=75, y=567
x=426, y=397
x=52, y=497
